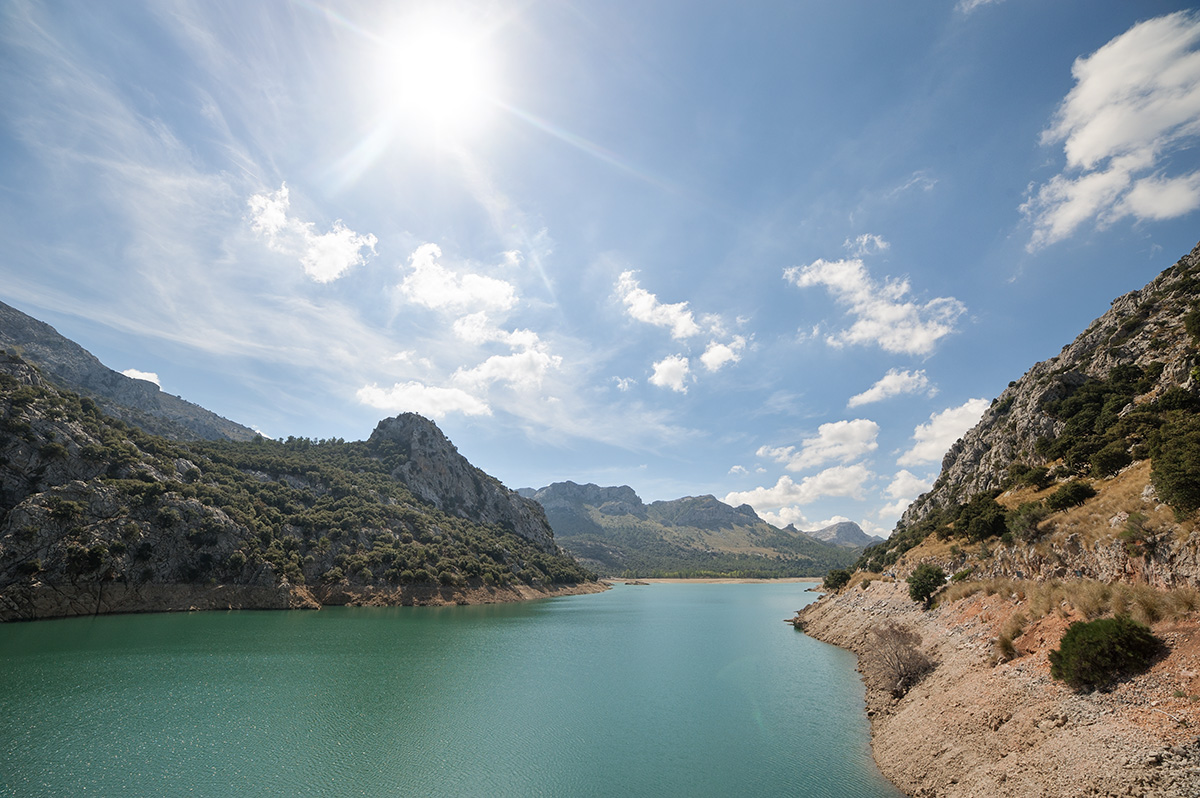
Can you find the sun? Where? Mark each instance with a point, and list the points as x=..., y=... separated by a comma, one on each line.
x=440, y=77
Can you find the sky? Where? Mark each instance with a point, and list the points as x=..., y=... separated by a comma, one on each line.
x=782, y=252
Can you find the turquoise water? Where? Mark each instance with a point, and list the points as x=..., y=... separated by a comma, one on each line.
x=662, y=690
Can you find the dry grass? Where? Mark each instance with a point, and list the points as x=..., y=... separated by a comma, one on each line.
x=1087, y=598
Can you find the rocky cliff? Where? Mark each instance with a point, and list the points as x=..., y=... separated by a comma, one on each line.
x=98, y=516
x=136, y=402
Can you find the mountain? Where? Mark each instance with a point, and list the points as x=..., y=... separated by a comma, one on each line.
x=97, y=516
x=843, y=533
x=136, y=402
x=1087, y=464
x=611, y=530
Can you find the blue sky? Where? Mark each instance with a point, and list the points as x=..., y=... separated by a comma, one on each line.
x=780, y=252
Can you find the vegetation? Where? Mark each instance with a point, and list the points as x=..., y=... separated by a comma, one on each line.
x=895, y=659
x=836, y=579
x=925, y=580
x=1095, y=653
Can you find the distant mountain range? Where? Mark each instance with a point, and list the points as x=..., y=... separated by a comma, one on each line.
x=612, y=531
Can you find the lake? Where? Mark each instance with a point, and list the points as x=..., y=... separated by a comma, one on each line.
x=661, y=690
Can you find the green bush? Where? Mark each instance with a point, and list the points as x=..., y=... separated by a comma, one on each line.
x=1176, y=470
x=1094, y=654
x=1072, y=494
x=925, y=580
x=836, y=579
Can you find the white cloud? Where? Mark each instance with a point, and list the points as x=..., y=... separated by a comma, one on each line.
x=624, y=383
x=894, y=383
x=838, y=481
x=967, y=6
x=671, y=372
x=523, y=370
x=837, y=440
x=785, y=516
x=1136, y=101
x=430, y=401
x=866, y=244
x=325, y=257
x=882, y=317
x=645, y=307
x=148, y=376
x=738, y=469
x=431, y=285
x=934, y=439
x=718, y=354
x=907, y=486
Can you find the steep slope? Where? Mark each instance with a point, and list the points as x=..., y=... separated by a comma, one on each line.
x=98, y=516
x=613, y=531
x=136, y=402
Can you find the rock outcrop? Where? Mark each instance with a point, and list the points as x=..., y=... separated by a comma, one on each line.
x=136, y=402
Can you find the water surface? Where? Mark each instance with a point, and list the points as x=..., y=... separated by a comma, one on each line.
x=661, y=690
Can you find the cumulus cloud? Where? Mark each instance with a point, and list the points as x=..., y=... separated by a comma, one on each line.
x=671, y=372
x=838, y=481
x=882, y=315
x=645, y=307
x=837, y=440
x=148, y=376
x=326, y=256
x=934, y=439
x=624, y=383
x=894, y=383
x=865, y=244
x=1135, y=103
x=524, y=370
x=432, y=285
x=718, y=354
x=430, y=401
x=907, y=485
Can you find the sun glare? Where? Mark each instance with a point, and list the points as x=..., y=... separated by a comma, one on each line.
x=441, y=78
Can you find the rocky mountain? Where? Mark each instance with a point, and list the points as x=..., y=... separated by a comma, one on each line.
x=843, y=533
x=136, y=402
x=613, y=531
x=98, y=516
x=1108, y=429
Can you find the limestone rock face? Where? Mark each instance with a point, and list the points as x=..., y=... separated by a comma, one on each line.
x=435, y=472
x=136, y=402
x=570, y=497
x=1141, y=328
x=843, y=533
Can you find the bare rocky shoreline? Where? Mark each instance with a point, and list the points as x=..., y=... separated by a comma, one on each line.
x=40, y=601
x=971, y=729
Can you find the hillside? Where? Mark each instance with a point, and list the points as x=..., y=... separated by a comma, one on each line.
x=1076, y=498
x=135, y=402
x=612, y=531
x=99, y=516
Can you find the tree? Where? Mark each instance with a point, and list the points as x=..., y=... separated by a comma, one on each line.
x=924, y=581
x=894, y=660
x=1072, y=494
x=1176, y=469
x=837, y=579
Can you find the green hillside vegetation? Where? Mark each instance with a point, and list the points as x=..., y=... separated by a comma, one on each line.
x=629, y=547
x=308, y=511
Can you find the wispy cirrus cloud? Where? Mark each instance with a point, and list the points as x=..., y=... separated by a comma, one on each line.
x=882, y=314
x=1135, y=103
x=894, y=383
x=324, y=256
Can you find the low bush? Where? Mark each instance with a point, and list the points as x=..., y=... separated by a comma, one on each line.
x=836, y=579
x=925, y=580
x=1095, y=653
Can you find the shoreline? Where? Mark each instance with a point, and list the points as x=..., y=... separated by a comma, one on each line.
x=46, y=602
x=974, y=729
x=709, y=580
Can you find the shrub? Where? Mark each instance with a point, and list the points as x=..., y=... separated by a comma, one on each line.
x=1094, y=653
x=895, y=660
x=1176, y=469
x=1072, y=494
x=924, y=581
x=1023, y=522
x=836, y=579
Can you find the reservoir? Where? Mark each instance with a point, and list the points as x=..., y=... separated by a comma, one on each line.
x=672, y=689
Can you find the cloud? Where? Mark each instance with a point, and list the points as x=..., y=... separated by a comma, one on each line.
x=718, y=354
x=325, y=257
x=894, y=383
x=838, y=481
x=523, y=370
x=430, y=401
x=934, y=439
x=866, y=244
x=837, y=440
x=882, y=317
x=907, y=486
x=1135, y=103
x=624, y=383
x=968, y=6
x=671, y=372
x=431, y=285
x=645, y=307
x=148, y=376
